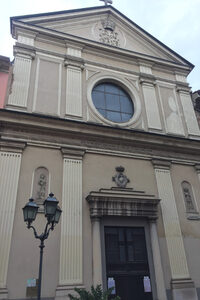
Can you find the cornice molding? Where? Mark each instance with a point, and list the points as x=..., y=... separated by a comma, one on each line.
x=24, y=51
x=56, y=131
x=122, y=202
x=96, y=46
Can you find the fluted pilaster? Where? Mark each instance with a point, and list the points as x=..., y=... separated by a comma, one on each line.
x=189, y=114
x=177, y=257
x=20, y=88
x=9, y=174
x=71, y=260
x=74, y=91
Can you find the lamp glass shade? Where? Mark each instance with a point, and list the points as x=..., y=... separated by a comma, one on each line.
x=50, y=205
x=57, y=215
x=30, y=211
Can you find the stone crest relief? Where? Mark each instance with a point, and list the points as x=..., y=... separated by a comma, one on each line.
x=120, y=179
x=107, y=34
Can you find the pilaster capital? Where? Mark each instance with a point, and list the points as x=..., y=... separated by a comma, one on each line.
x=73, y=153
x=72, y=61
x=197, y=168
x=153, y=220
x=15, y=147
x=183, y=88
x=95, y=219
x=147, y=79
x=161, y=164
x=24, y=52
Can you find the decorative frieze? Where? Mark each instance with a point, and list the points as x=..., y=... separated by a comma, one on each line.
x=9, y=174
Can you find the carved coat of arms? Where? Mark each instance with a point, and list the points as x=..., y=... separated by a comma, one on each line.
x=120, y=179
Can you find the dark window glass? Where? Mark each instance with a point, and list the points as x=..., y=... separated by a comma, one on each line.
x=99, y=100
x=112, y=102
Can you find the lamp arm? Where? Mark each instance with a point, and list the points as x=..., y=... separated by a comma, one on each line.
x=45, y=235
x=34, y=230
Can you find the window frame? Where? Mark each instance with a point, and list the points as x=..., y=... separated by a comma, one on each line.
x=129, y=88
x=113, y=101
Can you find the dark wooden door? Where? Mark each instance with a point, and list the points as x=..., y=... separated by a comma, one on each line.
x=127, y=263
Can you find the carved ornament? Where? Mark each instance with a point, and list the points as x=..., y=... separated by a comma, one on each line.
x=120, y=179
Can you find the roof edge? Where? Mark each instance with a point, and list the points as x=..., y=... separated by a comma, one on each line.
x=105, y=7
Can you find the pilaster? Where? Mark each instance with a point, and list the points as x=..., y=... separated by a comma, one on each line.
x=188, y=111
x=197, y=168
x=74, y=67
x=177, y=257
x=71, y=256
x=96, y=245
x=21, y=77
x=10, y=161
x=160, y=283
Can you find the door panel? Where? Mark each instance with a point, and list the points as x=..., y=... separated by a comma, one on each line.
x=127, y=263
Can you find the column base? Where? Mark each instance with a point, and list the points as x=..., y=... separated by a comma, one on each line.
x=183, y=289
x=3, y=293
x=63, y=291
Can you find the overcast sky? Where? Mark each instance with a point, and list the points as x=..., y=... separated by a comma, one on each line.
x=176, y=23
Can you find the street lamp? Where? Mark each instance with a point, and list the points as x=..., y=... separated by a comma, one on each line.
x=52, y=213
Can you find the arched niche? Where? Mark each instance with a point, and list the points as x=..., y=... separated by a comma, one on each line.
x=40, y=185
x=190, y=204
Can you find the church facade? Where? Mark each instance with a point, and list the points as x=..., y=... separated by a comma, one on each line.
x=100, y=114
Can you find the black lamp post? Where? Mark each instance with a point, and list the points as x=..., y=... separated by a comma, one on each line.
x=52, y=213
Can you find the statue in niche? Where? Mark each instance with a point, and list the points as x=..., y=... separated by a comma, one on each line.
x=40, y=185
x=188, y=197
x=120, y=179
x=188, y=200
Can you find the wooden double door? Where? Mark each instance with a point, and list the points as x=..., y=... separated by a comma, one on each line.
x=127, y=265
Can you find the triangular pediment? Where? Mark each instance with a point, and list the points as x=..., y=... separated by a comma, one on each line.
x=104, y=25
